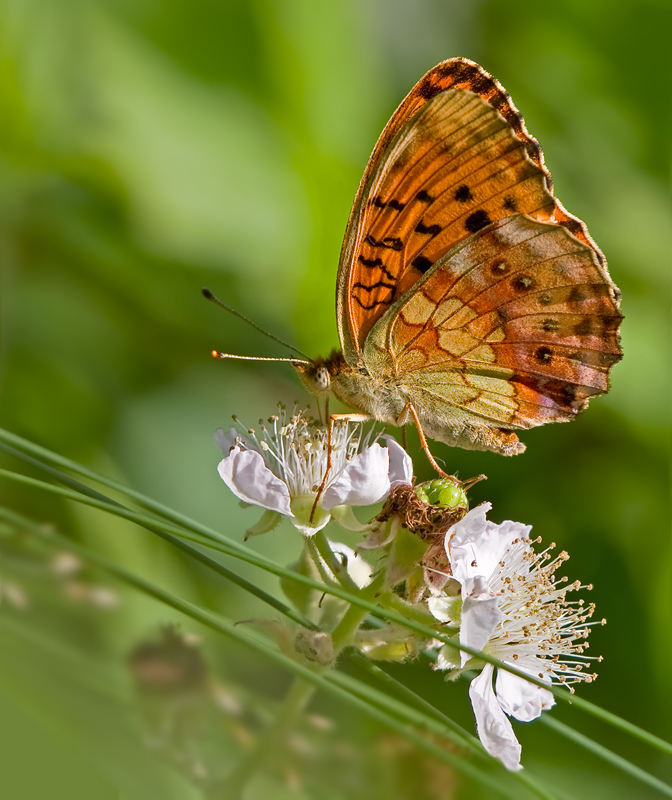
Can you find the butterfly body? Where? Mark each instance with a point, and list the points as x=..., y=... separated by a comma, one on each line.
x=385, y=398
x=468, y=299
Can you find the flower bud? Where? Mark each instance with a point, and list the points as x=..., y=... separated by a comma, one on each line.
x=316, y=647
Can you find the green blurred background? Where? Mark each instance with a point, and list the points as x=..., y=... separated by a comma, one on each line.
x=150, y=147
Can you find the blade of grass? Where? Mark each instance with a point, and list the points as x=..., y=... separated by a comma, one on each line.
x=234, y=549
x=435, y=722
x=607, y=755
x=626, y=766
x=217, y=623
x=101, y=502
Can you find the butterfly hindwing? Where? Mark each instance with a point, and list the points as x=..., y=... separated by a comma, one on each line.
x=516, y=327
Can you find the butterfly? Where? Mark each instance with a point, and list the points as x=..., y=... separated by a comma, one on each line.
x=469, y=301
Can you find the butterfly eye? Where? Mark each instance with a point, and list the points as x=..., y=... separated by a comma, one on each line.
x=322, y=378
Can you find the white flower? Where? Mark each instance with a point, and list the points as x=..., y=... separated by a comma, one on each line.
x=513, y=608
x=282, y=468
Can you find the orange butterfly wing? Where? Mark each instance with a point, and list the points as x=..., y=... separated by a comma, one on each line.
x=516, y=327
x=454, y=158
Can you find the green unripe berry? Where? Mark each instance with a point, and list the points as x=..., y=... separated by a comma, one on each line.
x=443, y=493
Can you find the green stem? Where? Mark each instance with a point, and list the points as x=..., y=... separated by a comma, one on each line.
x=318, y=562
x=610, y=757
x=354, y=616
x=390, y=600
x=337, y=569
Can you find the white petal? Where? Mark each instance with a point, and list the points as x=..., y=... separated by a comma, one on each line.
x=470, y=526
x=508, y=540
x=245, y=473
x=226, y=441
x=494, y=729
x=401, y=466
x=480, y=615
x=359, y=570
x=473, y=551
x=520, y=698
x=460, y=538
x=362, y=482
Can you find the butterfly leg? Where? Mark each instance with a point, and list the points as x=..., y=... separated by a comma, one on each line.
x=333, y=419
x=410, y=408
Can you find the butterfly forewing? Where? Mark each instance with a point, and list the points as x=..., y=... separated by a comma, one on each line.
x=454, y=158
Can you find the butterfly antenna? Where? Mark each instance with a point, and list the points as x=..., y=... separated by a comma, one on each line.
x=217, y=354
x=213, y=299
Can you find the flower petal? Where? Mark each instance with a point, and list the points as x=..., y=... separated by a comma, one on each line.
x=459, y=540
x=479, y=547
x=362, y=482
x=504, y=542
x=245, y=473
x=494, y=729
x=480, y=614
x=520, y=698
x=358, y=569
x=226, y=441
x=401, y=466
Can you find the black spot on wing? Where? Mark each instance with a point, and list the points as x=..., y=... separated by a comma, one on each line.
x=376, y=263
x=389, y=242
x=550, y=325
x=584, y=328
x=479, y=219
x=421, y=263
x=463, y=194
x=430, y=230
x=572, y=225
x=369, y=288
x=369, y=306
x=482, y=84
x=523, y=283
x=424, y=197
x=376, y=285
x=543, y=355
x=396, y=205
x=576, y=295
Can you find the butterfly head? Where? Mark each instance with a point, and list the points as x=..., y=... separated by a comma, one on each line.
x=317, y=375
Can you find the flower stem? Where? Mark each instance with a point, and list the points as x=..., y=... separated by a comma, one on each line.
x=335, y=566
x=269, y=744
x=354, y=616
